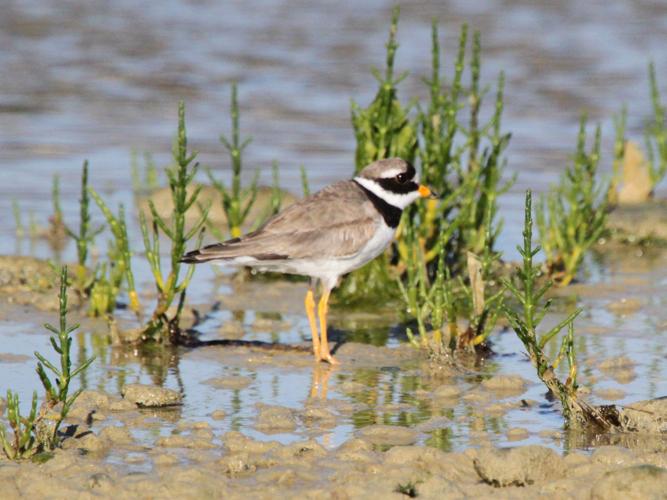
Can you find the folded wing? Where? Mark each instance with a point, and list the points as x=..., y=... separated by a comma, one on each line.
x=335, y=222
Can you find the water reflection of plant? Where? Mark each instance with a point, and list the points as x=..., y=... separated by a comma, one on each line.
x=155, y=360
x=364, y=333
x=441, y=439
x=396, y=398
x=384, y=396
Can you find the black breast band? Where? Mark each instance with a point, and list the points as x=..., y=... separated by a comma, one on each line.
x=390, y=213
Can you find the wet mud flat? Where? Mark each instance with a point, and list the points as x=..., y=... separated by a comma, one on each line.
x=195, y=464
x=146, y=441
x=246, y=421
x=138, y=443
x=238, y=421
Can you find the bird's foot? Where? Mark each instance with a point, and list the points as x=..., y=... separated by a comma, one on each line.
x=328, y=358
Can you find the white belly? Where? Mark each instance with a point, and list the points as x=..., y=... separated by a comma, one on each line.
x=327, y=269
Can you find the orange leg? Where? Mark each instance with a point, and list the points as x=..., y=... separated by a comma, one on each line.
x=310, y=312
x=322, y=310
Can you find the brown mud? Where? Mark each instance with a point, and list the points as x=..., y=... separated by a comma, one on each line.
x=76, y=86
x=211, y=197
x=193, y=461
x=247, y=413
x=640, y=222
x=137, y=442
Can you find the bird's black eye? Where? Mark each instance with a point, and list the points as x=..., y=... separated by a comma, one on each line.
x=402, y=178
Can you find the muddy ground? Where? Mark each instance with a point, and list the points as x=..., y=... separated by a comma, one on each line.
x=240, y=422
x=196, y=463
x=95, y=80
x=118, y=447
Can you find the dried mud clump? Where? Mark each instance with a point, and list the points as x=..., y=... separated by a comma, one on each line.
x=505, y=384
x=519, y=466
x=26, y=274
x=645, y=221
x=150, y=396
x=28, y=281
x=274, y=419
x=389, y=435
x=645, y=416
x=632, y=483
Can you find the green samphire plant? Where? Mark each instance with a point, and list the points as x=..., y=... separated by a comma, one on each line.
x=460, y=159
x=237, y=201
x=147, y=182
x=656, y=133
x=163, y=325
x=529, y=291
x=453, y=314
x=38, y=431
x=382, y=130
x=84, y=238
x=56, y=233
x=462, y=162
x=573, y=215
x=109, y=276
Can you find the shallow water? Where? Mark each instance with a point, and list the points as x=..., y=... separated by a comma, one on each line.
x=390, y=392
x=96, y=80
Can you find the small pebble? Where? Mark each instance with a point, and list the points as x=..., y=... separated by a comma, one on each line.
x=517, y=434
x=506, y=384
x=150, y=396
x=218, y=415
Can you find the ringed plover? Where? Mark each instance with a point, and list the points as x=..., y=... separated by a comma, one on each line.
x=326, y=235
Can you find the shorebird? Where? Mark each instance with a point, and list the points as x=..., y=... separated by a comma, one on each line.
x=327, y=235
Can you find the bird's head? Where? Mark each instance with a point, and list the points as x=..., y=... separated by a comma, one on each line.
x=395, y=181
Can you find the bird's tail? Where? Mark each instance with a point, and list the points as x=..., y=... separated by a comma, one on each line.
x=217, y=251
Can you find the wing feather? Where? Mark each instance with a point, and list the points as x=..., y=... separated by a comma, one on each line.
x=334, y=222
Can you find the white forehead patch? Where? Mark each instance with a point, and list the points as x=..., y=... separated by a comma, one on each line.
x=392, y=172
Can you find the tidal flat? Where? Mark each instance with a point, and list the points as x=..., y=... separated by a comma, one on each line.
x=239, y=420
x=246, y=413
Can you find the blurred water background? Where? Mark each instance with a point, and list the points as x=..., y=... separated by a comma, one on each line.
x=98, y=79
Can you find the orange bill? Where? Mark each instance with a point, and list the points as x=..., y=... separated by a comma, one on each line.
x=425, y=191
